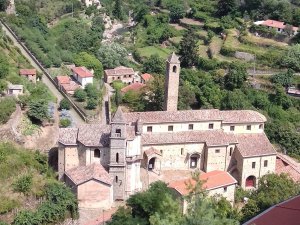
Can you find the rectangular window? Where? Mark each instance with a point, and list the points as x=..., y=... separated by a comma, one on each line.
x=231, y=128
x=211, y=126
x=149, y=129
x=230, y=151
x=217, y=150
x=248, y=127
x=265, y=163
x=181, y=151
x=253, y=165
x=170, y=128
x=191, y=126
x=193, y=162
x=118, y=132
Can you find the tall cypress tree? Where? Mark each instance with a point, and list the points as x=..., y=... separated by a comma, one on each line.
x=117, y=11
x=188, y=49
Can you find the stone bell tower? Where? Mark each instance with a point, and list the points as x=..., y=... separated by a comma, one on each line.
x=172, y=83
x=117, y=163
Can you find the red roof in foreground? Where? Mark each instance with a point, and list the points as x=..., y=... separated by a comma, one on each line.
x=27, y=71
x=214, y=179
x=285, y=213
x=132, y=87
x=82, y=72
x=63, y=79
x=146, y=76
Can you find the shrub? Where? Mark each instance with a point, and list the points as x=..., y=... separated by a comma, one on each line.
x=65, y=122
x=80, y=95
x=7, y=205
x=91, y=91
x=23, y=184
x=91, y=103
x=64, y=104
x=7, y=107
x=38, y=110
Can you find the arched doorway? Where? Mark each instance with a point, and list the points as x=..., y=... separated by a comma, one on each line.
x=194, y=161
x=151, y=164
x=251, y=181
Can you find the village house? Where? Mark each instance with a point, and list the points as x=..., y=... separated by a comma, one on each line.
x=138, y=145
x=82, y=75
x=146, y=77
x=66, y=84
x=280, y=27
x=132, y=87
x=15, y=89
x=122, y=73
x=216, y=183
x=30, y=74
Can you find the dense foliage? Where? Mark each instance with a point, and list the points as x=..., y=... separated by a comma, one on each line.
x=7, y=107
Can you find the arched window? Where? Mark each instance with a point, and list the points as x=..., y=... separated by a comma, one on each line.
x=116, y=179
x=97, y=153
x=117, y=158
x=251, y=181
x=174, y=69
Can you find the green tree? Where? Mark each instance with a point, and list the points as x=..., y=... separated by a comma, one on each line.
x=133, y=100
x=38, y=110
x=154, y=64
x=64, y=104
x=188, y=49
x=112, y=55
x=176, y=12
x=236, y=76
x=226, y=7
x=64, y=122
x=91, y=103
x=153, y=94
x=250, y=210
x=118, y=10
x=186, y=96
x=291, y=59
x=92, y=91
x=23, y=184
x=80, y=95
x=4, y=66
x=235, y=99
x=281, y=98
x=285, y=78
x=3, y=4
x=90, y=62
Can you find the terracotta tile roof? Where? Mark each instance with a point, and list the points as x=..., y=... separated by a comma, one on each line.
x=63, y=79
x=121, y=70
x=132, y=87
x=27, y=71
x=82, y=72
x=94, y=135
x=233, y=116
x=211, y=138
x=242, y=116
x=286, y=165
x=284, y=213
x=68, y=136
x=72, y=86
x=254, y=145
x=146, y=77
x=212, y=180
x=152, y=151
x=273, y=23
x=94, y=171
x=175, y=116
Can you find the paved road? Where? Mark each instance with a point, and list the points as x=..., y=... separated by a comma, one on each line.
x=76, y=118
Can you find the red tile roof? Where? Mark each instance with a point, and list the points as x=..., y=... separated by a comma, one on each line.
x=132, y=87
x=82, y=72
x=121, y=70
x=63, y=79
x=68, y=136
x=212, y=180
x=274, y=23
x=284, y=164
x=27, y=72
x=95, y=171
x=242, y=116
x=210, y=137
x=72, y=86
x=146, y=77
x=250, y=145
x=285, y=213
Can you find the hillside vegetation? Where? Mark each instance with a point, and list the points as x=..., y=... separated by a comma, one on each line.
x=29, y=192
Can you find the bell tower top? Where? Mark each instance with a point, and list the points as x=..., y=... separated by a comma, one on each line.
x=172, y=83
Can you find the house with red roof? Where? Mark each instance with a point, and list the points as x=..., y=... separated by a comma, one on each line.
x=146, y=77
x=66, y=84
x=216, y=183
x=82, y=75
x=30, y=74
x=277, y=25
x=284, y=213
x=132, y=87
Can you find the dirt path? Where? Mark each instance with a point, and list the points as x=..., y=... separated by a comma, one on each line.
x=76, y=118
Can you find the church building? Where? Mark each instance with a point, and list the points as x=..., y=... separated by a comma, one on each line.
x=111, y=162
